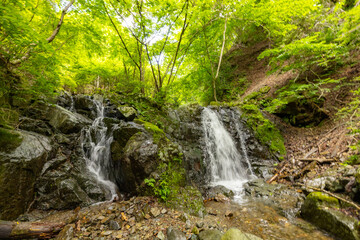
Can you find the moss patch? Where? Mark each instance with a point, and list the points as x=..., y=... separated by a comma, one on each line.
x=9, y=140
x=156, y=132
x=319, y=197
x=265, y=131
x=8, y=118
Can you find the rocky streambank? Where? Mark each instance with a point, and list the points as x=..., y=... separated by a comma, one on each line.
x=45, y=177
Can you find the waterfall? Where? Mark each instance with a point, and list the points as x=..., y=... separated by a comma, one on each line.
x=226, y=165
x=242, y=143
x=95, y=141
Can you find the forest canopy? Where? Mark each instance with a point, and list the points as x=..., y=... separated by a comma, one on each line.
x=169, y=49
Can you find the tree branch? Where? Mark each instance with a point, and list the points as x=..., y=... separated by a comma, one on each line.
x=220, y=58
x=57, y=29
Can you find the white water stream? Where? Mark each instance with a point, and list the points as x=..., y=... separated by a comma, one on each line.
x=226, y=163
x=96, y=146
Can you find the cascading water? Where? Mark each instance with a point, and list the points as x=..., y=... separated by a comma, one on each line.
x=96, y=146
x=225, y=162
x=242, y=144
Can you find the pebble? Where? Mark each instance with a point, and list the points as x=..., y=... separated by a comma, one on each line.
x=188, y=224
x=195, y=230
x=229, y=214
x=106, y=233
x=160, y=236
x=200, y=224
x=113, y=225
x=155, y=212
x=105, y=220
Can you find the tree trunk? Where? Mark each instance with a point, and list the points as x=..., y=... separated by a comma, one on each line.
x=57, y=29
x=24, y=230
x=221, y=55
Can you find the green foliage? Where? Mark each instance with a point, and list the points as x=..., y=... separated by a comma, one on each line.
x=352, y=114
x=265, y=131
x=302, y=92
x=172, y=177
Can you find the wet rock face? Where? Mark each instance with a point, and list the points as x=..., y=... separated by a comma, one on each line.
x=284, y=200
x=19, y=170
x=139, y=160
x=187, y=130
x=323, y=211
x=65, y=183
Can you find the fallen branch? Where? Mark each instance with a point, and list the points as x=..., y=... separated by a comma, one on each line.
x=332, y=195
x=23, y=230
x=276, y=175
x=317, y=160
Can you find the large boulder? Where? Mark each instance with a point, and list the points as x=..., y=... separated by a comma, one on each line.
x=283, y=199
x=57, y=117
x=323, y=211
x=35, y=125
x=19, y=169
x=140, y=159
x=66, y=121
x=129, y=113
x=66, y=183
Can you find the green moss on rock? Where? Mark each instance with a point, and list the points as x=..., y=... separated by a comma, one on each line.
x=322, y=198
x=9, y=140
x=323, y=211
x=265, y=131
x=156, y=132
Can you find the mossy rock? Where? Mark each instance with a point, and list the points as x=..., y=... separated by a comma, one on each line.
x=188, y=199
x=129, y=113
x=9, y=140
x=236, y=234
x=212, y=234
x=8, y=118
x=265, y=131
x=323, y=211
x=156, y=132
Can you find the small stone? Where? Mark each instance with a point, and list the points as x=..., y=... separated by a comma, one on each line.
x=105, y=220
x=160, y=236
x=195, y=230
x=200, y=224
x=119, y=235
x=221, y=198
x=147, y=216
x=163, y=211
x=229, y=214
x=113, y=225
x=106, y=233
x=174, y=234
x=184, y=217
x=187, y=224
x=194, y=237
x=155, y=212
